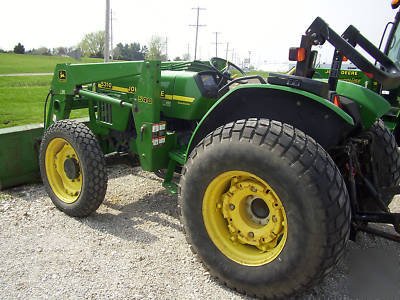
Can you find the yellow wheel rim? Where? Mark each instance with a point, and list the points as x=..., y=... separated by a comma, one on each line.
x=63, y=170
x=244, y=218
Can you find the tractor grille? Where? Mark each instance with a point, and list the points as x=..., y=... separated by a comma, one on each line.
x=104, y=112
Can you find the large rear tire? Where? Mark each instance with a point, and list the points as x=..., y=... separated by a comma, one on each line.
x=72, y=167
x=264, y=207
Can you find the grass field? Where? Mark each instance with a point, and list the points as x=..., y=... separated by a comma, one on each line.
x=22, y=100
x=24, y=63
x=22, y=97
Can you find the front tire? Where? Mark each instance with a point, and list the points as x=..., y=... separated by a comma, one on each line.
x=72, y=167
x=264, y=207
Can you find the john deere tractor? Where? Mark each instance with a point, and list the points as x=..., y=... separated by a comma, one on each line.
x=275, y=175
x=351, y=73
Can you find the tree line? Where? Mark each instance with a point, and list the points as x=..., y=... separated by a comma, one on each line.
x=92, y=45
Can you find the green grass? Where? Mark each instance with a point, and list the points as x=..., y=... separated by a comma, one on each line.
x=24, y=63
x=25, y=81
x=22, y=100
x=263, y=74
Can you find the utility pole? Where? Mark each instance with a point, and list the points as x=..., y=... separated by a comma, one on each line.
x=249, y=58
x=216, y=43
x=197, y=30
x=227, y=49
x=111, y=36
x=107, y=42
x=166, y=47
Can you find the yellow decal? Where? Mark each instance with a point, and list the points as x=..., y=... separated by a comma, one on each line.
x=62, y=75
x=355, y=73
x=108, y=85
x=353, y=80
x=145, y=100
x=176, y=97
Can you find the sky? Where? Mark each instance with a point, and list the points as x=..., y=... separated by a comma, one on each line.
x=262, y=30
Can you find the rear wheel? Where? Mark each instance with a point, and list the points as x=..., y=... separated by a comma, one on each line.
x=386, y=160
x=264, y=207
x=72, y=167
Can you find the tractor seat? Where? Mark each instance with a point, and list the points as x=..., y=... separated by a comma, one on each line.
x=316, y=87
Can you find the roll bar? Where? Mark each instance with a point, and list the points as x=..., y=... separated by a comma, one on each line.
x=388, y=74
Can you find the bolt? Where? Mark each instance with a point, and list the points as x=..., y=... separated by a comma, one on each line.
x=253, y=189
x=231, y=206
x=143, y=155
x=251, y=234
x=274, y=219
x=233, y=238
x=219, y=205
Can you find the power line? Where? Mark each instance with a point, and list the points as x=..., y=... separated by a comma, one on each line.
x=197, y=29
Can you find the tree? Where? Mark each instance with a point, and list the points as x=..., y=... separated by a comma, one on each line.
x=19, y=49
x=155, y=49
x=132, y=51
x=41, y=51
x=92, y=44
x=60, y=51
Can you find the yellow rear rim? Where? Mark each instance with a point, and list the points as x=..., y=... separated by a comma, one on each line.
x=65, y=182
x=244, y=218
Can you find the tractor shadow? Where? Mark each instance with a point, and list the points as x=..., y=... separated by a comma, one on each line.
x=132, y=217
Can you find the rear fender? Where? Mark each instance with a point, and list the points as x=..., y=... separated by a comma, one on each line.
x=316, y=116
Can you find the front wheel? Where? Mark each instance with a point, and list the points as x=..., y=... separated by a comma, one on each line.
x=72, y=167
x=264, y=207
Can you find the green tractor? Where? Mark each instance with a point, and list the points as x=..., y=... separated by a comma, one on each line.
x=275, y=175
x=352, y=74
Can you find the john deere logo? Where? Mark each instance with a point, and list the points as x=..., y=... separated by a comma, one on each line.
x=62, y=75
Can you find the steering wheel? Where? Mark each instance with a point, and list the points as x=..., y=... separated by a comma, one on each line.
x=217, y=62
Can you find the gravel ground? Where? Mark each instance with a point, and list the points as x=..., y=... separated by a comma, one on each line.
x=133, y=247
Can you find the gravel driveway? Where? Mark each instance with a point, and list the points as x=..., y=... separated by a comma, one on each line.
x=133, y=247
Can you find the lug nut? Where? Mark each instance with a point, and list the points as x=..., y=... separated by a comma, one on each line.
x=274, y=219
x=253, y=189
x=219, y=205
x=251, y=234
x=231, y=206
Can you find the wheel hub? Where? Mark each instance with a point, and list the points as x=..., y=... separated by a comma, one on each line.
x=71, y=168
x=63, y=170
x=254, y=215
x=257, y=210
